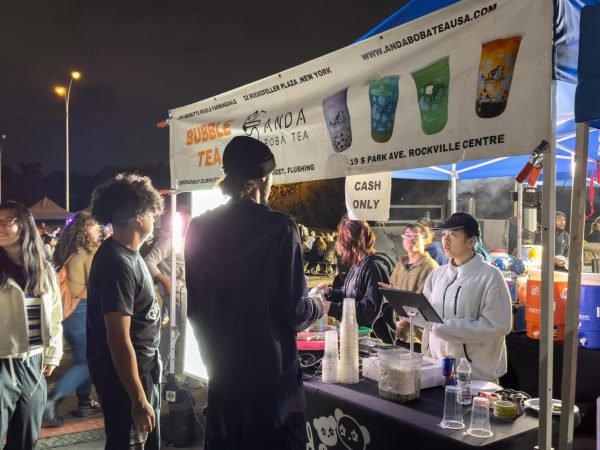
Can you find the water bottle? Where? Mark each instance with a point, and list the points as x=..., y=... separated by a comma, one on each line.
x=463, y=378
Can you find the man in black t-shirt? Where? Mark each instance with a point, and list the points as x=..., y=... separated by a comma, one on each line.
x=245, y=281
x=123, y=316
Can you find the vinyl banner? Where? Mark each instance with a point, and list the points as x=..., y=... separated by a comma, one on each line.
x=470, y=81
x=368, y=196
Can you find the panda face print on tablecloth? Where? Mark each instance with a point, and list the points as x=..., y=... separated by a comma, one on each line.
x=340, y=428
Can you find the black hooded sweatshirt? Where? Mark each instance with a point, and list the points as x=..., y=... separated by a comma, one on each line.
x=245, y=281
x=361, y=283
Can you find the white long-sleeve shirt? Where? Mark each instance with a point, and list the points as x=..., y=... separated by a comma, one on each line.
x=474, y=302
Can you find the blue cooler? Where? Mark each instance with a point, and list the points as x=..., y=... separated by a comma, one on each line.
x=589, y=311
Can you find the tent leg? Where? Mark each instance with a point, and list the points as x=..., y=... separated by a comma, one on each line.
x=547, y=299
x=574, y=287
x=454, y=177
x=173, y=303
x=519, y=219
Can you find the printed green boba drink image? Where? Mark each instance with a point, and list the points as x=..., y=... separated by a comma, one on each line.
x=496, y=67
x=337, y=118
x=383, y=96
x=432, y=82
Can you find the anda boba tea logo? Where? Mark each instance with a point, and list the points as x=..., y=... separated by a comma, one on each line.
x=432, y=82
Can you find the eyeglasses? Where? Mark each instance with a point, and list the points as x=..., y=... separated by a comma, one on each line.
x=8, y=222
x=412, y=237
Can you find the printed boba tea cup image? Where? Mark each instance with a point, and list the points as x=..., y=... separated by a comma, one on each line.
x=496, y=68
x=383, y=96
x=337, y=118
x=432, y=82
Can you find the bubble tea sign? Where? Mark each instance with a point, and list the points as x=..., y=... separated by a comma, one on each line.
x=470, y=82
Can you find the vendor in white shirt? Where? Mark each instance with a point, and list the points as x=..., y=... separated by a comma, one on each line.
x=472, y=298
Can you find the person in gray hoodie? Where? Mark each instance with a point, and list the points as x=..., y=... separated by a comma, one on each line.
x=30, y=327
x=472, y=298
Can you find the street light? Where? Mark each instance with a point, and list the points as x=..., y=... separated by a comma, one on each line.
x=1, y=146
x=66, y=93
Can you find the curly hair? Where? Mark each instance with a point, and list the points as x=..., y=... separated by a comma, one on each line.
x=355, y=241
x=74, y=237
x=124, y=198
x=32, y=273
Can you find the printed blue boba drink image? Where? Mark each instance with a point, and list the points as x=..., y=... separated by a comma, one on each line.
x=383, y=96
x=337, y=118
x=432, y=82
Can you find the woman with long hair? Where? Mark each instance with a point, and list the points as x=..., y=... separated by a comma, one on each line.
x=30, y=326
x=75, y=250
x=356, y=248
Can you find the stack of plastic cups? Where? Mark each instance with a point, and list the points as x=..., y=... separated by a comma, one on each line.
x=331, y=372
x=349, y=343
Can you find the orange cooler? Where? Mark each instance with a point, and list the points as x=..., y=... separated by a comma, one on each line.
x=533, y=304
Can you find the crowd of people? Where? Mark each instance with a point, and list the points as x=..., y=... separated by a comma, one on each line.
x=246, y=285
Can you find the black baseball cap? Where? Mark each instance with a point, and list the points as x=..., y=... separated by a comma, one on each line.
x=461, y=220
x=248, y=158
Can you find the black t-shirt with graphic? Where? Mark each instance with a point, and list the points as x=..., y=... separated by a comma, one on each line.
x=120, y=282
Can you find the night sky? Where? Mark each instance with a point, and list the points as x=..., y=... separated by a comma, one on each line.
x=140, y=58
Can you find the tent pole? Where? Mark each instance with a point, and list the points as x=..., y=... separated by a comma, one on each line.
x=519, y=219
x=454, y=176
x=173, y=303
x=574, y=287
x=547, y=299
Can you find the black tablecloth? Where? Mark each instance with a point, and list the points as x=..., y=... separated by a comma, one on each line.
x=358, y=416
x=523, y=368
x=523, y=374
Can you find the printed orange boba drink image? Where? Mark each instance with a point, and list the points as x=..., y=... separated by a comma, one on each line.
x=496, y=67
x=337, y=118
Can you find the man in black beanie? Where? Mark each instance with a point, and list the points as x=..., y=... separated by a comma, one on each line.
x=245, y=282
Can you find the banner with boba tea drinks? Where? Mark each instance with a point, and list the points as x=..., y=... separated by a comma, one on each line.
x=470, y=81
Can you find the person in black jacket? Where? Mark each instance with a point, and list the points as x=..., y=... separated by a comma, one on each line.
x=356, y=247
x=246, y=284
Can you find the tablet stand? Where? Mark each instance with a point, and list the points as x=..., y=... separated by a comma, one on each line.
x=409, y=304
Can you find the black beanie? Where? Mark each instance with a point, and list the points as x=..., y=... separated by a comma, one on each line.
x=247, y=158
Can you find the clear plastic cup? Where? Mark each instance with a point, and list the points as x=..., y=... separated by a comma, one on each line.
x=480, y=418
x=453, y=412
x=349, y=311
x=349, y=372
x=330, y=369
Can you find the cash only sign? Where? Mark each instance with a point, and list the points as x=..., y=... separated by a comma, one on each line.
x=471, y=81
